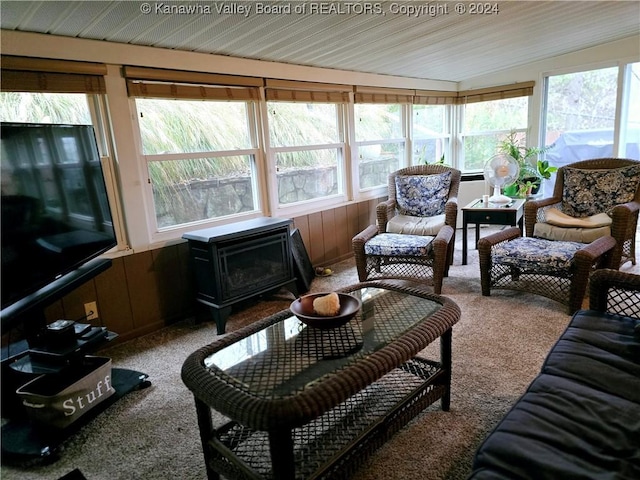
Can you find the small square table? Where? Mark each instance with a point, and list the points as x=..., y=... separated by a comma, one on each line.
x=477, y=213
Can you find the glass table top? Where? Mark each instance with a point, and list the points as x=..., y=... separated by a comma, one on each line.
x=286, y=357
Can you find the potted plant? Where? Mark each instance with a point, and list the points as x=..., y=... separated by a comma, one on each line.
x=530, y=177
x=545, y=170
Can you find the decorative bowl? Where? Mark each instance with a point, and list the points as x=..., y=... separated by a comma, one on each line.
x=303, y=309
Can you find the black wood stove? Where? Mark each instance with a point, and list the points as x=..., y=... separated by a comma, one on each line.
x=238, y=261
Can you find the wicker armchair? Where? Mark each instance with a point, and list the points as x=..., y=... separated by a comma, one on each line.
x=570, y=180
x=415, y=232
x=390, y=220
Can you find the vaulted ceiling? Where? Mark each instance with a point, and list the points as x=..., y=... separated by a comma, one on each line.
x=427, y=40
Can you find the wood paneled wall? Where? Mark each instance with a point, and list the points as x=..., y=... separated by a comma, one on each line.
x=146, y=291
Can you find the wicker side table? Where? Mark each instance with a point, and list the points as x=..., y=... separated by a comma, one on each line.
x=556, y=270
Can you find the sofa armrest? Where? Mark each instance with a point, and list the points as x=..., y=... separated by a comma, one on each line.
x=616, y=292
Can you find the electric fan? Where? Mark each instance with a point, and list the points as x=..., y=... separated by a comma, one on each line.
x=500, y=171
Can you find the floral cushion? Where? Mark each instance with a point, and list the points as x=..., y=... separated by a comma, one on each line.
x=588, y=192
x=537, y=254
x=422, y=195
x=396, y=244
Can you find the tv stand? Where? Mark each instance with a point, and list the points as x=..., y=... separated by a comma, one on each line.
x=41, y=354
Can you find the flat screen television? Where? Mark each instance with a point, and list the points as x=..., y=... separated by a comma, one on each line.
x=55, y=215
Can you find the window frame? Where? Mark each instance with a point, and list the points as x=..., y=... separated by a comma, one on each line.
x=374, y=191
x=499, y=132
x=446, y=136
x=622, y=100
x=162, y=234
x=342, y=163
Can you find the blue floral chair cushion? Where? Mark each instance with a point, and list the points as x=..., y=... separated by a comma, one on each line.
x=528, y=253
x=398, y=244
x=422, y=195
x=588, y=192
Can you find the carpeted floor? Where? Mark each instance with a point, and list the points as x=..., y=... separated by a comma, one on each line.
x=498, y=347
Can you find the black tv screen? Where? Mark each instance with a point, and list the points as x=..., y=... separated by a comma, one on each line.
x=55, y=211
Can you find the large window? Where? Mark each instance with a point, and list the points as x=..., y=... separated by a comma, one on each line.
x=65, y=177
x=307, y=144
x=69, y=108
x=630, y=124
x=486, y=124
x=580, y=112
x=380, y=142
x=200, y=157
x=430, y=134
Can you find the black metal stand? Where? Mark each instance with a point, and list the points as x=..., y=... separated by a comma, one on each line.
x=25, y=442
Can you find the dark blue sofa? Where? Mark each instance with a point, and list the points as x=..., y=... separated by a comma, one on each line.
x=580, y=417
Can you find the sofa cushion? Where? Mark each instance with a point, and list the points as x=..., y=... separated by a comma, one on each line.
x=587, y=192
x=422, y=195
x=580, y=417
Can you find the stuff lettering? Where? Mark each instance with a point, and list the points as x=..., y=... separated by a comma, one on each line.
x=81, y=402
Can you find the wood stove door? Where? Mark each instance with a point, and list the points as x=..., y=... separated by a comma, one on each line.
x=254, y=266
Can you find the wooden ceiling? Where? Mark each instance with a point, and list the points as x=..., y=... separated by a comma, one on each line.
x=425, y=40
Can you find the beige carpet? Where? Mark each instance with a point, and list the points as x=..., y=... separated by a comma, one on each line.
x=498, y=347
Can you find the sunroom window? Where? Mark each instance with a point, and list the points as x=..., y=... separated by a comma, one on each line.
x=486, y=124
x=200, y=159
x=430, y=134
x=307, y=147
x=380, y=142
x=580, y=112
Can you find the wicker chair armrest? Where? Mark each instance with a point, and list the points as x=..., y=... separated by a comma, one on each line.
x=384, y=212
x=445, y=234
x=365, y=235
x=598, y=249
x=626, y=208
x=602, y=284
x=451, y=211
x=502, y=236
x=532, y=213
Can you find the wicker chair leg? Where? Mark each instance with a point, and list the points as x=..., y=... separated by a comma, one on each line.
x=440, y=246
x=357, y=244
x=579, y=281
x=484, y=256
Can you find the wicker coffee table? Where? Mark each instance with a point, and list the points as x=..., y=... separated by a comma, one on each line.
x=308, y=403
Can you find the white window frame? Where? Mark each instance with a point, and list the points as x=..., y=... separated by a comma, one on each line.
x=446, y=136
x=366, y=193
x=621, y=94
x=316, y=204
x=463, y=135
x=174, y=233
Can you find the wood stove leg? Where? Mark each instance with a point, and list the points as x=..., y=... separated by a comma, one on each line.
x=293, y=288
x=220, y=315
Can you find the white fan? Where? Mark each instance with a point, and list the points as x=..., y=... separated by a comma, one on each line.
x=500, y=171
